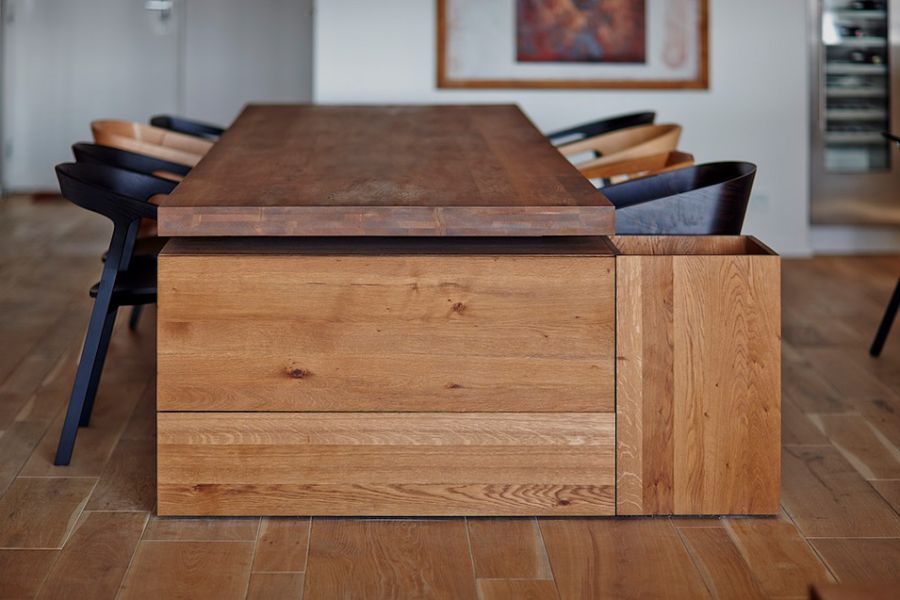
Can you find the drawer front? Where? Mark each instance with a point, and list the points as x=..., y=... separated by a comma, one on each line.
x=386, y=333
x=386, y=464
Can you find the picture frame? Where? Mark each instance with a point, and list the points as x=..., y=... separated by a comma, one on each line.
x=479, y=43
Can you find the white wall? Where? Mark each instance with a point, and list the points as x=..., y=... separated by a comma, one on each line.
x=756, y=107
x=238, y=51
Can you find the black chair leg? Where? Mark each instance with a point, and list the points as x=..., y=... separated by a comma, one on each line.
x=97, y=368
x=135, y=316
x=889, y=315
x=89, y=354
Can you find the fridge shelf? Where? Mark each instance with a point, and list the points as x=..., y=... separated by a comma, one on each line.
x=856, y=92
x=850, y=114
x=845, y=13
x=855, y=69
x=853, y=138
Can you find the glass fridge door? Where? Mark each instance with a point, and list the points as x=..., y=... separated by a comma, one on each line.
x=857, y=86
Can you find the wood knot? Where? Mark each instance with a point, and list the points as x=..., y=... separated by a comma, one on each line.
x=459, y=307
x=564, y=502
x=453, y=386
x=297, y=373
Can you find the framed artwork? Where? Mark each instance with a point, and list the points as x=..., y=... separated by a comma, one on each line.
x=573, y=44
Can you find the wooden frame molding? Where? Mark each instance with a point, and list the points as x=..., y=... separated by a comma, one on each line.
x=701, y=82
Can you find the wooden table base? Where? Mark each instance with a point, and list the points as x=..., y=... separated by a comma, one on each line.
x=468, y=377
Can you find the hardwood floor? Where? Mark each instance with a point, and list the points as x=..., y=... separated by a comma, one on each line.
x=88, y=531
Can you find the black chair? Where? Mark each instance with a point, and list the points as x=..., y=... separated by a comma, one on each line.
x=886, y=322
x=122, y=197
x=884, y=328
x=123, y=159
x=586, y=130
x=139, y=163
x=708, y=199
x=188, y=126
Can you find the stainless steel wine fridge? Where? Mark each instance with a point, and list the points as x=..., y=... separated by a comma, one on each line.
x=855, y=171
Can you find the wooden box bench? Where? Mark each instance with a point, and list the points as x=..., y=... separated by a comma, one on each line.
x=381, y=376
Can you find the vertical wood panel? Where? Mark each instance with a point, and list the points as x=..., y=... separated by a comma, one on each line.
x=697, y=383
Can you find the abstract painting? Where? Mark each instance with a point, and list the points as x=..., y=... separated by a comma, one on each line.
x=581, y=31
x=625, y=44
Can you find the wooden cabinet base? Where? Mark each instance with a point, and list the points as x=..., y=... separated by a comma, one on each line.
x=386, y=464
x=637, y=376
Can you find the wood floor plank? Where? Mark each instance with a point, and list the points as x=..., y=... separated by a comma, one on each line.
x=116, y=398
x=275, y=586
x=826, y=497
x=861, y=560
x=389, y=559
x=838, y=367
x=96, y=556
x=778, y=556
x=890, y=491
x=726, y=573
x=508, y=549
x=23, y=571
x=188, y=570
x=867, y=450
x=128, y=480
x=39, y=513
x=839, y=591
x=601, y=559
x=797, y=428
x=811, y=393
x=282, y=545
x=516, y=589
x=884, y=415
x=176, y=529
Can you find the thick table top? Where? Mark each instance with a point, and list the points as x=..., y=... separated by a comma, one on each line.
x=299, y=170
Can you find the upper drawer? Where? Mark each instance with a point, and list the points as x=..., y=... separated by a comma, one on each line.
x=386, y=333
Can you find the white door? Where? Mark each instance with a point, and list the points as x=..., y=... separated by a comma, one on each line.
x=68, y=62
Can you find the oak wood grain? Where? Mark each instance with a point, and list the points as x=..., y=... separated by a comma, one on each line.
x=890, y=491
x=23, y=571
x=275, y=586
x=516, y=589
x=152, y=141
x=595, y=559
x=698, y=378
x=419, y=333
x=861, y=560
x=641, y=141
x=508, y=549
x=40, y=512
x=188, y=570
x=389, y=463
x=387, y=170
x=389, y=559
x=722, y=566
x=870, y=453
x=161, y=529
x=782, y=561
x=827, y=497
x=93, y=561
x=282, y=545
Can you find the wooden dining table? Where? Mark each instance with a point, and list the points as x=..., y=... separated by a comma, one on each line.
x=412, y=310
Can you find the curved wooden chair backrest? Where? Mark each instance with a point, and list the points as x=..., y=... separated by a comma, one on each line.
x=600, y=126
x=708, y=199
x=640, y=167
x=152, y=141
x=633, y=142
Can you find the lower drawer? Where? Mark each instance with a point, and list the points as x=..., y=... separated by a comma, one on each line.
x=386, y=463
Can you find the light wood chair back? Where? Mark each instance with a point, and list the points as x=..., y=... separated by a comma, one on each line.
x=624, y=170
x=625, y=144
x=151, y=141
